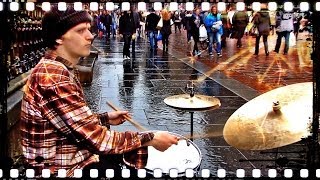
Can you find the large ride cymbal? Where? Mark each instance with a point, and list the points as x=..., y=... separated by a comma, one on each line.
x=262, y=124
x=195, y=103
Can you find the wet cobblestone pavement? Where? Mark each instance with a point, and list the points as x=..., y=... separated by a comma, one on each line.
x=141, y=84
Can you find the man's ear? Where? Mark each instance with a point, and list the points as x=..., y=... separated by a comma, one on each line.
x=59, y=41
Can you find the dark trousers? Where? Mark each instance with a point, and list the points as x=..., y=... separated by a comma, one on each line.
x=133, y=47
x=240, y=34
x=165, y=41
x=265, y=42
x=108, y=31
x=177, y=25
x=126, y=47
x=286, y=35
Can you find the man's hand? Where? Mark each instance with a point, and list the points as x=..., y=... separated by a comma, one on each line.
x=117, y=117
x=162, y=140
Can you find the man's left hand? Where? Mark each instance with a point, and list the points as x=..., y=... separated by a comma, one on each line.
x=117, y=117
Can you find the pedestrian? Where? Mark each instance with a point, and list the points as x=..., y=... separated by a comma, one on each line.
x=107, y=21
x=152, y=20
x=240, y=21
x=213, y=25
x=194, y=22
x=136, y=27
x=166, y=28
x=58, y=129
x=127, y=29
x=284, y=28
x=261, y=20
x=177, y=21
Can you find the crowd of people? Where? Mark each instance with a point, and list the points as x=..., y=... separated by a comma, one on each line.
x=220, y=25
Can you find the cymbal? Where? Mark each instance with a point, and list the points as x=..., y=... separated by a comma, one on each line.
x=263, y=124
x=195, y=103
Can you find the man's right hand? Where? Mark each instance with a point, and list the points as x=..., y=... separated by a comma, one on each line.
x=162, y=140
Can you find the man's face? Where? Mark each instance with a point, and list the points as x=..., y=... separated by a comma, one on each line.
x=77, y=41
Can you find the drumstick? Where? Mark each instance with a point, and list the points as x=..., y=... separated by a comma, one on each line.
x=134, y=123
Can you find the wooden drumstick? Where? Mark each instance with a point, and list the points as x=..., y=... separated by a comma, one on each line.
x=133, y=122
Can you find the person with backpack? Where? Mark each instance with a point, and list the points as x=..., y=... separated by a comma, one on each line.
x=284, y=22
x=240, y=21
x=262, y=21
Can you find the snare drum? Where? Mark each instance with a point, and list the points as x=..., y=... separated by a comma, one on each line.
x=185, y=155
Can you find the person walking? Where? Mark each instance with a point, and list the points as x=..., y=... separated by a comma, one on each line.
x=262, y=21
x=152, y=20
x=127, y=29
x=284, y=28
x=213, y=25
x=166, y=28
x=240, y=21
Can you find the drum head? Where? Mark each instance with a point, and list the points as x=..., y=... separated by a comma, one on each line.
x=185, y=155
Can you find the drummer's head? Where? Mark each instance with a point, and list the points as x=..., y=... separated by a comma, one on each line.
x=56, y=23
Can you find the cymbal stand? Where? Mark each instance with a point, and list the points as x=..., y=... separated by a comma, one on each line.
x=190, y=88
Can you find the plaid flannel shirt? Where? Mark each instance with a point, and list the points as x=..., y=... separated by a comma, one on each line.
x=58, y=129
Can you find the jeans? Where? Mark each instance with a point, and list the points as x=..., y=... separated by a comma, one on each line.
x=286, y=35
x=265, y=42
x=214, y=37
x=153, y=39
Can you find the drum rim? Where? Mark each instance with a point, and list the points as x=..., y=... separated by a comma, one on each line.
x=179, y=173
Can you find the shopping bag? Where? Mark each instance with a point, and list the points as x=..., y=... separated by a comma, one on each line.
x=159, y=36
x=160, y=24
x=171, y=22
x=248, y=27
x=292, y=39
x=203, y=32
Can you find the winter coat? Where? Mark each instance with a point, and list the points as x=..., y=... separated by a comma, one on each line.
x=152, y=21
x=194, y=22
x=127, y=24
x=240, y=20
x=166, y=28
x=210, y=20
x=262, y=22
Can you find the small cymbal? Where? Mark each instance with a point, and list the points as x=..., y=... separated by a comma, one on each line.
x=277, y=118
x=197, y=102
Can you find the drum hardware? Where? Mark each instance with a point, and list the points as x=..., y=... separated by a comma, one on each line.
x=192, y=102
x=190, y=87
x=277, y=118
